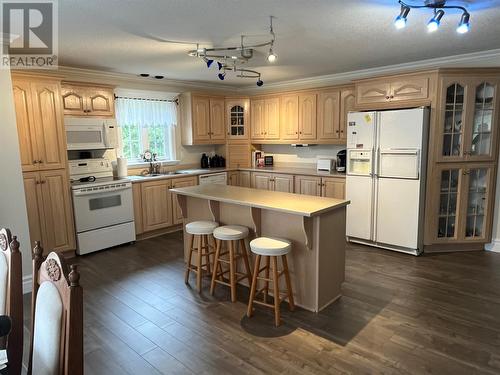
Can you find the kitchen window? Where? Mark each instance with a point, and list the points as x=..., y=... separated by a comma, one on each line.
x=146, y=124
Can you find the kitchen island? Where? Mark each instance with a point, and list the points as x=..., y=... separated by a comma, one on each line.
x=314, y=225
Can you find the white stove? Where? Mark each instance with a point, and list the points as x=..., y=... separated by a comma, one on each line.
x=103, y=206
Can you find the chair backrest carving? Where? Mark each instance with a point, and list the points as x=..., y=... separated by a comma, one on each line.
x=57, y=316
x=11, y=297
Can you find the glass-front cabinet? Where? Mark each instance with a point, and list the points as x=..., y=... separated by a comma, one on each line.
x=464, y=202
x=237, y=118
x=467, y=119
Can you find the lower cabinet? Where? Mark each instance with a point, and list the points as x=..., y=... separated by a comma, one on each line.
x=244, y=179
x=273, y=181
x=232, y=178
x=50, y=214
x=155, y=207
x=330, y=187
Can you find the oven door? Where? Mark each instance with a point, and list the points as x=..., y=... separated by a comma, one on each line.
x=103, y=206
x=85, y=137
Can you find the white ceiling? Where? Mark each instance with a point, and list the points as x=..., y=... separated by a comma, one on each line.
x=314, y=37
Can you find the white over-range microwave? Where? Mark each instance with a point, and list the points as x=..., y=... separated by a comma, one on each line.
x=90, y=133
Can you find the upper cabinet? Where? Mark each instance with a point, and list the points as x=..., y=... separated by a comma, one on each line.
x=307, y=116
x=88, y=100
x=289, y=117
x=390, y=90
x=202, y=119
x=329, y=115
x=40, y=127
x=265, y=119
x=467, y=119
x=237, y=118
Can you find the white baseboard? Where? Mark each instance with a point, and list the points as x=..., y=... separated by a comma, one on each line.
x=493, y=246
x=27, y=284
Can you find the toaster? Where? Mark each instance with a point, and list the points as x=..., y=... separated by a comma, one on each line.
x=325, y=165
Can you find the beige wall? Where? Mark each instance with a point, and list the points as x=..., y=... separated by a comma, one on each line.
x=12, y=201
x=301, y=156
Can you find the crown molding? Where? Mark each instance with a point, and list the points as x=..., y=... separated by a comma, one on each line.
x=475, y=59
x=119, y=79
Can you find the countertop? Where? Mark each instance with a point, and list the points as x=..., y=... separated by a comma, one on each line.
x=303, y=205
x=197, y=172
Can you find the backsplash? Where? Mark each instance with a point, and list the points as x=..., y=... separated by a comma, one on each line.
x=301, y=155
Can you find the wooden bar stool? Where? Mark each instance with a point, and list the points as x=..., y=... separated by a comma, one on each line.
x=270, y=249
x=201, y=230
x=232, y=235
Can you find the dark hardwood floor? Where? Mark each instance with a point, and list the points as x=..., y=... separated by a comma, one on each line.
x=399, y=314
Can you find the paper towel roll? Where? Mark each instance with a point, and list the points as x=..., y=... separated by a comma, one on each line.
x=121, y=167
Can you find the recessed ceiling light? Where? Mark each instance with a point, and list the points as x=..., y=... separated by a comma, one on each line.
x=144, y=75
x=159, y=77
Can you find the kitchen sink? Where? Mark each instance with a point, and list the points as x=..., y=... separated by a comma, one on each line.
x=160, y=174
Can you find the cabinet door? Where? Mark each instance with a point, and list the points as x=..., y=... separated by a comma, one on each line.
x=262, y=181
x=307, y=116
x=333, y=188
x=272, y=118
x=57, y=223
x=237, y=118
x=328, y=115
x=283, y=183
x=478, y=207
x=180, y=183
x=347, y=103
x=232, y=178
x=308, y=185
x=373, y=92
x=74, y=100
x=137, y=196
x=238, y=155
x=244, y=179
x=410, y=89
x=448, y=194
x=25, y=128
x=100, y=101
x=34, y=206
x=217, y=132
x=451, y=120
x=201, y=118
x=289, y=117
x=48, y=124
x=482, y=121
x=257, y=118
x=156, y=205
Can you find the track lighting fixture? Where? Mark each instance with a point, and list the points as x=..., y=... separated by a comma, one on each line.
x=438, y=6
x=435, y=21
x=233, y=58
x=400, y=21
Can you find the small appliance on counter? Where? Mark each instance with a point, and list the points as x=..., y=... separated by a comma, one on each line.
x=268, y=161
x=325, y=165
x=204, y=161
x=341, y=161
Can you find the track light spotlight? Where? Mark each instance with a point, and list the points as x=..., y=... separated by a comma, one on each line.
x=219, y=65
x=464, y=25
x=400, y=21
x=271, y=57
x=260, y=82
x=433, y=24
x=222, y=76
x=209, y=62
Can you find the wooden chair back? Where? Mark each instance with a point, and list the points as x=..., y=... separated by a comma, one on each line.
x=11, y=302
x=54, y=275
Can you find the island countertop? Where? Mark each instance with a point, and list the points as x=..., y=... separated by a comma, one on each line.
x=302, y=205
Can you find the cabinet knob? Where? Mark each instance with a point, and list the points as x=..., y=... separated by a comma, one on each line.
x=336, y=131
x=35, y=161
x=387, y=97
x=43, y=181
x=40, y=161
x=392, y=96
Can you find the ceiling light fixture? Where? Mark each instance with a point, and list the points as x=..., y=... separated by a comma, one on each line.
x=438, y=6
x=223, y=55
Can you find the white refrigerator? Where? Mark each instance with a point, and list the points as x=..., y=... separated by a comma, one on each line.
x=385, y=179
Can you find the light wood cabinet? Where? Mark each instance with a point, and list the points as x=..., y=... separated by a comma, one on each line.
x=273, y=181
x=308, y=185
x=233, y=178
x=156, y=205
x=238, y=155
x=329, y=115
x=42, y=140
x=393, y=89
x=50, y=214
x=332, y=187
x=307, y=117
x=237, y=119
x=289, y=117
x=88, y=100
x=265, y=119
x=180, y=183
x=137, y=197
x=347, y=103
x=244, y=179
x=202, y=119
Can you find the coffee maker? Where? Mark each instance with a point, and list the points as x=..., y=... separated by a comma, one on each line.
x=341, y=161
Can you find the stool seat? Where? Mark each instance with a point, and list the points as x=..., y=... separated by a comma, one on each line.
x=231, y=232
x=270, y=246
x=201, y=227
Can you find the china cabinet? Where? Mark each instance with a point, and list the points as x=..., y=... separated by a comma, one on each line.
x=237, y=118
